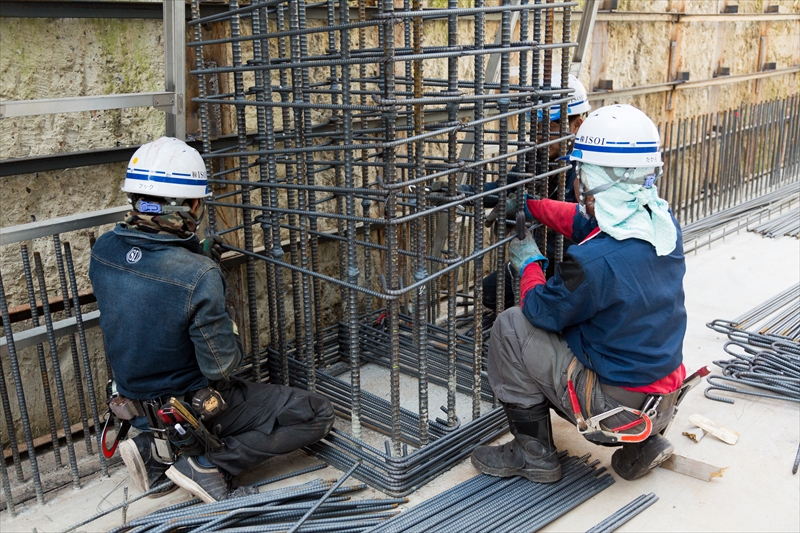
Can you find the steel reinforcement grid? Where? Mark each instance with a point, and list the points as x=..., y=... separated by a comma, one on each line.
x=355, y=195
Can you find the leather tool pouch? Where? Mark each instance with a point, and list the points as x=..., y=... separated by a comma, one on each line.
x=125, y=408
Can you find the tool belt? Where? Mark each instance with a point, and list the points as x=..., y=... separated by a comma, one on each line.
x=176, y=424
x=650, y=411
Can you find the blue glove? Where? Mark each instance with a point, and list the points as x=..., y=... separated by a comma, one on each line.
x=524, y=252
x=510, y=210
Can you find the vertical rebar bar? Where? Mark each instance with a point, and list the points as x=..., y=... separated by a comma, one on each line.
x=244, y=175
x=62, y=398
x=7, y=487
x=452, y=190
x=264, y=122
x=420, y=239
x=564, y=124
x=48, y=399
x=73, y=346
x=22, y=405
x=392, y=272
x=76, y=304
x=478, y=184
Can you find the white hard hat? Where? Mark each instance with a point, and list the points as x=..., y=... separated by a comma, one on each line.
x=167, y=168
x=618, y=135
x=578, y=102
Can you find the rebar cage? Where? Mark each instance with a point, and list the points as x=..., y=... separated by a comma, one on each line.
x=365, y=135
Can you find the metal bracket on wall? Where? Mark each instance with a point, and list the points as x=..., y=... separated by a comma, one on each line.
x=167, y=103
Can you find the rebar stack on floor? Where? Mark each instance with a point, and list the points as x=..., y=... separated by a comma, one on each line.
x=784, y=225
x=354, y=126
x=742, y=216
x=315, y=506
x=625, y=514
x=765, y=346
x=492, y=504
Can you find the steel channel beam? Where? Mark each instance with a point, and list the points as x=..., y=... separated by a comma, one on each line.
x=38, y=335
x=94, y=9
x=46, y=228
x=49, y=106
x=681, y=85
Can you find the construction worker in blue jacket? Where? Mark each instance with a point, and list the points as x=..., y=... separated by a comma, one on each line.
x=606, y=330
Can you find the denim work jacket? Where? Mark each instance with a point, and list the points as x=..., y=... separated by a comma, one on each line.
x=162, y=312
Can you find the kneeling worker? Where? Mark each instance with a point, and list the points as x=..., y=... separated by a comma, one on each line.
x=161, y=296
x=606, y=331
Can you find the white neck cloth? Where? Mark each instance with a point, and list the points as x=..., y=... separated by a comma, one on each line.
x=620, y=210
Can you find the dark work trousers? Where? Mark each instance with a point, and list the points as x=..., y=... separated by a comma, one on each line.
x=490, y=288
x=263, y=420
x=527, y=366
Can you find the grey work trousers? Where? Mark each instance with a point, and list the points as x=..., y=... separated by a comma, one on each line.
x=527, y=366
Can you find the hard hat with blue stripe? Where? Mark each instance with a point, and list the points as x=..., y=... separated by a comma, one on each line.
x=618, y=135
x=578, y=102
x=167, y=168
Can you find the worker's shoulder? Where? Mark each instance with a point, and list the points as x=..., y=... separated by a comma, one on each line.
x=167, y=257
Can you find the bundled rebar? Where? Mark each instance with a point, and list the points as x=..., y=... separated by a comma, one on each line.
x=716, y=226
x=777, y=316
x=492, y=504
x=623, y=515
x=763, y=364
x=312, y=507
x=787, y=225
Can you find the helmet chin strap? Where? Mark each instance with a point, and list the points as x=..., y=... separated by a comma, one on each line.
x=174, y=205
x=645, y=181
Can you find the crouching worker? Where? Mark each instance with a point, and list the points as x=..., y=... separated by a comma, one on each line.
x=606, y=331
x=167, y=333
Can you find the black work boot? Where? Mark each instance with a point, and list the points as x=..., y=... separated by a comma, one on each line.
x=144, y=466
x=532, y=454
x=633, y=461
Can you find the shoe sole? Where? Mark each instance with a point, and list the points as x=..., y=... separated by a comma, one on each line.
x=662, y=456
x=537, y=476
x=133, y=461
x=188, y=484
x=168, y=490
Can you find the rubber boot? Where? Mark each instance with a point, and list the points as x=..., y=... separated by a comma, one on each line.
x=633, y=461
x=532, y=454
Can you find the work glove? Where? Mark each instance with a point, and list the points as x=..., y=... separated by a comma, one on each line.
x=510, y=210
x=212, y=247
x=524, y=252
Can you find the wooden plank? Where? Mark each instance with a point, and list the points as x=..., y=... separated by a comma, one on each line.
x=694, y=433
x=693, y=468
x=75, y=429
x=722, y=433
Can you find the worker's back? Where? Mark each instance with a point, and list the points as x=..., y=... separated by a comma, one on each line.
x=147, y=288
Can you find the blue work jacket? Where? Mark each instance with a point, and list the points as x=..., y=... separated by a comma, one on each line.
x=162, y=312
x=619, y=306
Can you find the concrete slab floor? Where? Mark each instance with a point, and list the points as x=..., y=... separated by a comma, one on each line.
x=756, y=493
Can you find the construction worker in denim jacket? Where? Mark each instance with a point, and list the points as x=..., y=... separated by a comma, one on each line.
x=161, y=296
